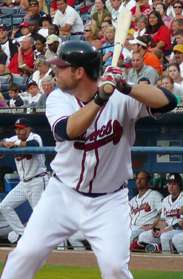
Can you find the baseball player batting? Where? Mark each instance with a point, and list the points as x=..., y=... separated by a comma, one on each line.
x=32, y=173
x=94, y=131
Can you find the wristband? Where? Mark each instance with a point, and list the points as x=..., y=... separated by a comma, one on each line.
x=101, y=99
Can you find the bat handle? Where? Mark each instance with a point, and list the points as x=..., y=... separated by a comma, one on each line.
x=108, y=88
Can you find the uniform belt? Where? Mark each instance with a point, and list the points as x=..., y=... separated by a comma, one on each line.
x=77, y=33
x=38, y=175
x=95, y=195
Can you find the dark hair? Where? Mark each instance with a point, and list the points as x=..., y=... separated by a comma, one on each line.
x=175, y=65
x=40, y=38
x=147, y=174
x=177, y=177
x=14, y=87
x=144, y=79
x=153, y=29
x=163, y=5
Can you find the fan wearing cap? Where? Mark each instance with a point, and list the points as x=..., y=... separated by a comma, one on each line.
x=31, y=170
x=140, y=44
x=24, y=30
x=53, y=45
x=178, y=56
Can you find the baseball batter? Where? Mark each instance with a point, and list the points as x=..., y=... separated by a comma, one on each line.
x=145, y=207
x=94, y=129
x=171, y=229
x=32, y=173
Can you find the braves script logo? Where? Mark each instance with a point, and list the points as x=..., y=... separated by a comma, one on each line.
x=144, y=206
x=112, y=131
x=172, y=213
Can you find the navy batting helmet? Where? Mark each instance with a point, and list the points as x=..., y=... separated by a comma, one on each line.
x=79, y=54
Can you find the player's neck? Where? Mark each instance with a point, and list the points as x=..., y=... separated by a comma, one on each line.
x=142, y=192
x=86, y=91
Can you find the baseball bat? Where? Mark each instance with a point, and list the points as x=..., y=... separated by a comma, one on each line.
x=123, y=24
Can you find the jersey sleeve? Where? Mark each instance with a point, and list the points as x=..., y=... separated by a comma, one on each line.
x=58, y=107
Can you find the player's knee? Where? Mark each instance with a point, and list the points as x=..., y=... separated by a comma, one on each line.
x=29, y=252
x=177, y=241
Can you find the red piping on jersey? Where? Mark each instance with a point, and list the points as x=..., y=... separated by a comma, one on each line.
x=82, y=171
x=96, y=154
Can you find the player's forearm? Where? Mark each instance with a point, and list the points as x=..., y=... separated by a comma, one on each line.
x=78, y=122
x=149, y=95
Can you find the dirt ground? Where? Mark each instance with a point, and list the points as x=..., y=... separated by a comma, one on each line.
x=87, y=258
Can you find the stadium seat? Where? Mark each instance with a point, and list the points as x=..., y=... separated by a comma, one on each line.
x=20, y=81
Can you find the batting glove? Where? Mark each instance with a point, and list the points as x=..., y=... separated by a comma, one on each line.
x=118, y=80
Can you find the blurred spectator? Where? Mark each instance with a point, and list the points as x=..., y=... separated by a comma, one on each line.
x=178, y=57
x=161, y=8
x=141, y=7
x=179, y=37
x=99, y=16
x=45, y=24
x=141, y=25
x=42, y=70
x=68, y=20
x=47, y=84
x=3, y=103
x=33, y=11
x=19, y=33
x=104, y=26
x=159, y=32
x=53, y=29
x=23, y=61
x=34, y=94
x=140, y=70
x=90, y=37
x=40, y=46
x=173, y=71
x=115, y=10
x=3, y=56
x=15, y=98
x=178, y=8
x=52, y=42
x=168, y=83
x=8, y=47
x=140, y=44
x=145, y=208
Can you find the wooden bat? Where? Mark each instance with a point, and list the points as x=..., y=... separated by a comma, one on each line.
x=123, y=24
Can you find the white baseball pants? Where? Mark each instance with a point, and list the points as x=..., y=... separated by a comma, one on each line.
x=104, y=221
x=23, y=191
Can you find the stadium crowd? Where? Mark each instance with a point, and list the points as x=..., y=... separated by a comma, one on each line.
x=31, y=33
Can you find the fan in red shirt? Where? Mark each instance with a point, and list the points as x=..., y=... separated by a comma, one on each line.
x=159, y=32
x=23, y=61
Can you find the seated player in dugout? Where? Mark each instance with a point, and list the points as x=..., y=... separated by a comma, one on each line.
x=93, y=121
x=145, y=209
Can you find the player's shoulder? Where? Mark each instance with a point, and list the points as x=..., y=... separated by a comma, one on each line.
x=157, y=194
x=57, y=94
x=166, y=199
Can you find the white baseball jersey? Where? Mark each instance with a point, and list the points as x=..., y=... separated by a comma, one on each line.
x=104, y=148
x=171, y=210
x=33, y=164
x=145, y=209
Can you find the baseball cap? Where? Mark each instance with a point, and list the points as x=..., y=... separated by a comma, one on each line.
x=31, y=82
x=25, y=24
x=3, y=26
x=22, y=123
x=178, y=48
x=137, y=42
x=52, y=38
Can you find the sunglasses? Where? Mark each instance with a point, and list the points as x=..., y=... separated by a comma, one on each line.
x=178, y=7
x=87, y=30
